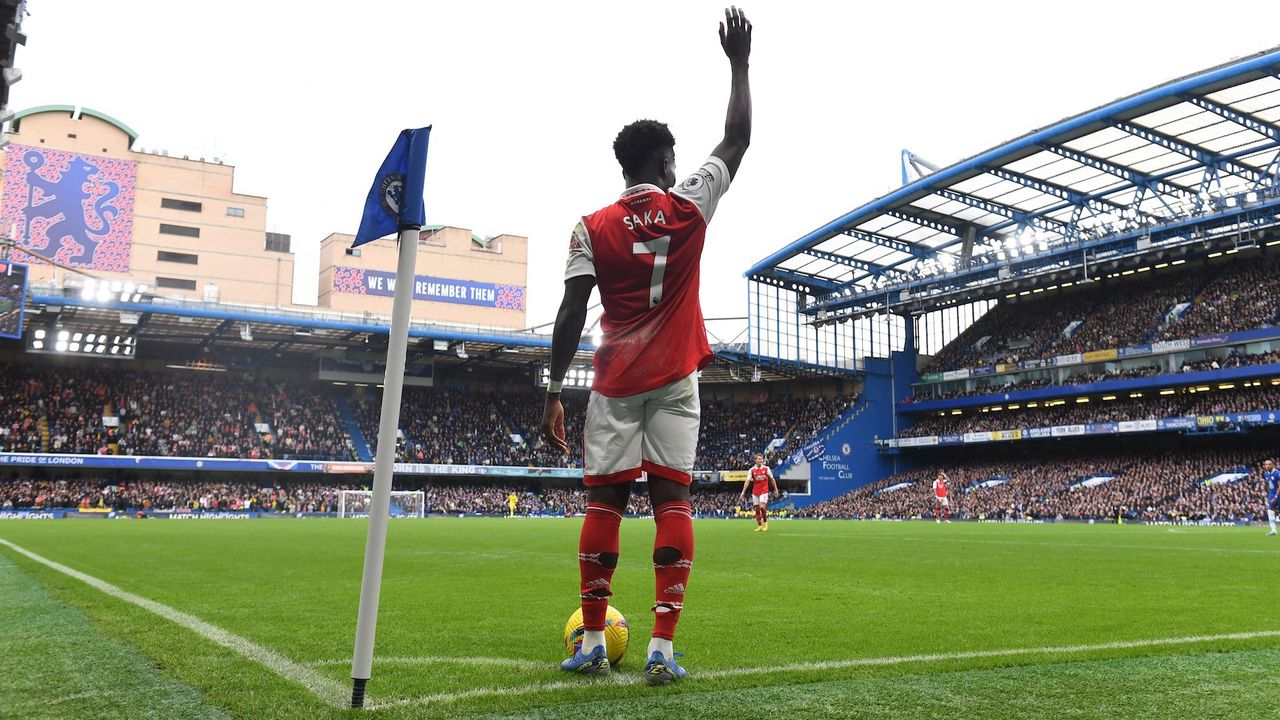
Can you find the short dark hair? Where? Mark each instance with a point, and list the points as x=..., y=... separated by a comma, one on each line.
x=638, y=142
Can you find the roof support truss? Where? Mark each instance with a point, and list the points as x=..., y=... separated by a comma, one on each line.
x=995, y=208
x=222, y=327
x=928, y=222
x=867, y=267
x=893, y=244
x=1239, y=117
x=811, y=281
x=1205, y=157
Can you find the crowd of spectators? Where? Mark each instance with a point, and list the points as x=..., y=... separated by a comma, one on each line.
x=1184, y=402
x=1000, y=386
x=187, y=415
x=1235, y=358
x=190, y=414
x=449, y=427
x=309, y=497
x=476, y=428
x=148, y=495
x=21, y=408
x=1242, y=295
x=1157, y=486
x=1132, y=373
x=1129, y=312
x=176, y=414
x=732, y=433
x=1014, y=332
x=304, y=423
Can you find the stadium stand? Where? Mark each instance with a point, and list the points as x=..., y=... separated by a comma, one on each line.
x=1238, y=296
x=474, y=428
x=1148, y=407
x=1233, y=358
x=441, y=427
x=313, y=497
x=183, y=414
x=1167, y=485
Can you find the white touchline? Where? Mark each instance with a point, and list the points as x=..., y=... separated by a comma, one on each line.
x=1087, y=546
x=842, y=664
x=334, y=692
x=440, y=660
x=325, y=688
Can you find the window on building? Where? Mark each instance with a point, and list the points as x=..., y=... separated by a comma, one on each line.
x=235, y=212
x=353, y=252
x=177, y=257
x=175, y=283
x=172, y=204
x=182, y=230
x=278, y=242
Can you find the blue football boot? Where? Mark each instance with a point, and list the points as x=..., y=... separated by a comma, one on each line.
x=661, y=671
x=592, y=663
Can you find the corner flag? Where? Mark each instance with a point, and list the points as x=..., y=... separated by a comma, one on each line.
x=394, y=204
x=395, y=200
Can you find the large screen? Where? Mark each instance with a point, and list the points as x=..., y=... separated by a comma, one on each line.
x=13, y=298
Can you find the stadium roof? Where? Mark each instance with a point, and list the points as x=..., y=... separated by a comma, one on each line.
x=1203, y=146
x=263, y=334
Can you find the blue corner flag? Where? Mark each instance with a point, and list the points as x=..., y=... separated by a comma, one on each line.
x=395, y=200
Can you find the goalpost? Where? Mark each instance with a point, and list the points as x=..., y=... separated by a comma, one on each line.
x=404, y=503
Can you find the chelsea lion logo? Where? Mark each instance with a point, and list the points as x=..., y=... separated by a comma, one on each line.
x=392, y=189
x=845, y=449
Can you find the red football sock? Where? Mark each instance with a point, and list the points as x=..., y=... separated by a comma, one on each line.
x=597, y=558
x=672, y=560
x=759, y=517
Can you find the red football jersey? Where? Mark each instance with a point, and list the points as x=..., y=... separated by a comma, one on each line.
x=645, y=251
x=940, y=488
x=759, y=480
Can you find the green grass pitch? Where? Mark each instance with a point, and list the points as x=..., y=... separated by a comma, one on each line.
x=813, y=619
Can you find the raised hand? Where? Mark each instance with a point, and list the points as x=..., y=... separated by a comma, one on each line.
x=735, y=35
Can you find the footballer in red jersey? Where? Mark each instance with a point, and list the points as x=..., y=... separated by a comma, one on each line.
x=759, y=478
x=941, y=503
x=644, y=252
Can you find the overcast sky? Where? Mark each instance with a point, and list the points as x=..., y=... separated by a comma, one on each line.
x=305, y=99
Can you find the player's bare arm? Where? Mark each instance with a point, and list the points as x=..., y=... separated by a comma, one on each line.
x=735, y=38
x=774, y=482
x=564, y=344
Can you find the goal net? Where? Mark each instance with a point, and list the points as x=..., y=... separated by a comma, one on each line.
x=404, y=503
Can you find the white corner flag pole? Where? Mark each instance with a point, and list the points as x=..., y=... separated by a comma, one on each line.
x=384, y=467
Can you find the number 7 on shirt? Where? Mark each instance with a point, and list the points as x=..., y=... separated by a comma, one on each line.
x=658, y=247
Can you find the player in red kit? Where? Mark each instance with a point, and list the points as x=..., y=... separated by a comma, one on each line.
x=643, y=252
x=759, y=478
x=941, y=503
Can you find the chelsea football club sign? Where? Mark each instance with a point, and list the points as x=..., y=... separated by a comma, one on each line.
x=71, y=208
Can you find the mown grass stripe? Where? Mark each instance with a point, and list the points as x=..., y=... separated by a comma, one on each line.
x=632, y=679
x=327, y=689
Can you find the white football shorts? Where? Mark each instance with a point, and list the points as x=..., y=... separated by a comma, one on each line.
x=761, y=499
x=654, y=432
x=943, y=501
